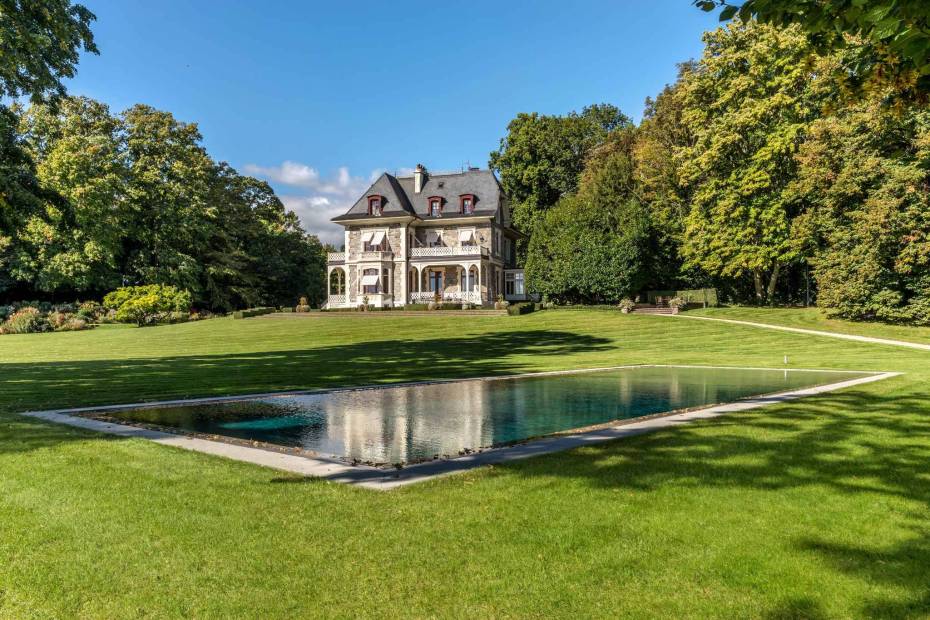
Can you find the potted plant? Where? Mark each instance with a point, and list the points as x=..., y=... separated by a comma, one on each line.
x=303, y=305
x=501, y=303
x=676, y=304
x=626, y=305
x=364, y=306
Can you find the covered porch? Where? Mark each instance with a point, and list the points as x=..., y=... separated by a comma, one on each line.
x=464, y=282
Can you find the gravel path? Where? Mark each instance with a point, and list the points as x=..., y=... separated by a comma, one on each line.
x=814, y=332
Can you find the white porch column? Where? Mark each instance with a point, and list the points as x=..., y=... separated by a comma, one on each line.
x=480, y=296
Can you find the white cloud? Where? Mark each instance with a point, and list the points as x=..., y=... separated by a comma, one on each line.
x=315, y=212
x=288, y=173
x=323, y=198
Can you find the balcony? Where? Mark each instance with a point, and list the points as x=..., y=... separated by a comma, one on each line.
x=376, y=256
x=470, y=297
x=446, y=251
x=336, y=257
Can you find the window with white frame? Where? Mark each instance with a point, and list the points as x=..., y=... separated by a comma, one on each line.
x=370, y=283
x=374, y=241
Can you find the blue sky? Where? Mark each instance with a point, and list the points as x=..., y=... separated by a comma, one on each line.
x=316, y=97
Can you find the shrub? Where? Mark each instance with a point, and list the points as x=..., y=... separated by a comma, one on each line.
x=521, y=308
x=146, y=305
x=626, y=304
x=304, y=305
x=90, y=310
x=676, y=303
x=72, y=323
x=28, y=320
x=57, y=319
x=244, y=314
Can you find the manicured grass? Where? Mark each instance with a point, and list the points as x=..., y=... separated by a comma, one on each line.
x=815, y=318
x=816, y=508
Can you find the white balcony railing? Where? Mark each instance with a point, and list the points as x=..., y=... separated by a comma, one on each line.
x=376, y=256
x=336, y=257
x=335, y=300
x=462, y=250
x=471, y=297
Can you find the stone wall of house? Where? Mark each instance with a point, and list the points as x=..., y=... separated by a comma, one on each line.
x=483, y=236
x=395, y=234
x=398, y=284
x=450, y=279
x=355, y=244
x=450, y=234
x=352, y=283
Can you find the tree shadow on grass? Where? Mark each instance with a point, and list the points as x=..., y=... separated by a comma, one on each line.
x=851, y=442
x=36, y=386
x=854, y=442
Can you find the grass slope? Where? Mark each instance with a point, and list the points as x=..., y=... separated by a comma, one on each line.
x=817, y=508
x=815, y=318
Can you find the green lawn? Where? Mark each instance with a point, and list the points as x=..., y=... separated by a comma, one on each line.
x=816, y=508
x=814, y=318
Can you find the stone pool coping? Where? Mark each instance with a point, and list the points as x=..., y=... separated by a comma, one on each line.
x=371, y=477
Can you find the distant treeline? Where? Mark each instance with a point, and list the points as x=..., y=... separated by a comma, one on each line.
x=93, y=201
x=757, y=172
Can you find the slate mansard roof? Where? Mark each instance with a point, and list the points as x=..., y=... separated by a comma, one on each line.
x=399, y=199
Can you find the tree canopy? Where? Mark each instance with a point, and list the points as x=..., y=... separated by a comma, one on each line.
x=40, y=44
x=541, y=158
x=889, y=39
x=592, y=246
x=747, y=102
x=102, y=200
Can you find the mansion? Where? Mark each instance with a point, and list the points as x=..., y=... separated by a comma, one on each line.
x=411, y=240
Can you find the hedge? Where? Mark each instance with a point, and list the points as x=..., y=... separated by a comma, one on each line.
x=699, y=296
x=244, y=314
x=521, y=308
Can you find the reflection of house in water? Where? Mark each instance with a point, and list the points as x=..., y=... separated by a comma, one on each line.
x=400, y=424
x=404, y=424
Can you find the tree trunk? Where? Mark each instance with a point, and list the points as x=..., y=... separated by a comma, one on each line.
x=757, y=280
x=773, y=283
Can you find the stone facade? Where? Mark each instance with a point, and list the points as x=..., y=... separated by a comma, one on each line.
x=405, y=211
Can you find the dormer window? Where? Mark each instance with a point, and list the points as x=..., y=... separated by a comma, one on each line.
x=467, y=204
x=375, y=204
x=435, y=206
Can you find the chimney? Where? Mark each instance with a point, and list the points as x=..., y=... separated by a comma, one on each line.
x=419, y=178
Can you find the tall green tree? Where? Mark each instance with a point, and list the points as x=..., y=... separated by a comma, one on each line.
x=593, y=246
x=79, y=154
x=865, y=174
x=261, y=256
x=22, y=204
x=748, y=103
x=888, y=40
x=541, y=158
x=661, y=133
x=40, y=45
x=169, y=184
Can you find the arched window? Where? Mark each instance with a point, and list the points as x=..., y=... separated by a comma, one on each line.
x=375, y=205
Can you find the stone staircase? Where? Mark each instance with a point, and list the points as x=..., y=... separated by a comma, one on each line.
x=650, y=309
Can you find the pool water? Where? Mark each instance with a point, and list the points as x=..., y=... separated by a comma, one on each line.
x=411, y=423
